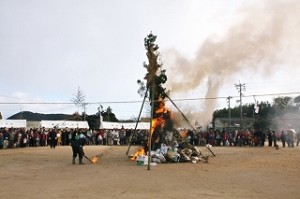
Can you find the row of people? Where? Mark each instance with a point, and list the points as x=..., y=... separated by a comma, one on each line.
x=15, y=137
x=21, y=137
x=232, y=137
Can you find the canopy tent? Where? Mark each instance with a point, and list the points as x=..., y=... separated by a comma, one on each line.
x=126, y=125
x=64, y=124
x=13, y=123
x=74, y=124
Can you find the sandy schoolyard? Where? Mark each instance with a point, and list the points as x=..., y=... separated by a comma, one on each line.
x=234, y=173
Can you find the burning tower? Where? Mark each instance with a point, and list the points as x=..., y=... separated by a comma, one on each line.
x=155, y=78
x=162, y=132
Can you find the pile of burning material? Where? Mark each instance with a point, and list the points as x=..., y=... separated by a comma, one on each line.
x=176, y=153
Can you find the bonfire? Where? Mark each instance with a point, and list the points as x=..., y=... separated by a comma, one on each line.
x=164, y=142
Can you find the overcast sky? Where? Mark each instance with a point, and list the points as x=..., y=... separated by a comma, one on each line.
x=50, y=48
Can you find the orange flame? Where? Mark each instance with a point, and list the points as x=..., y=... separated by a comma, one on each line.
x=95, y=159
x=139, y=152
x=159, y=112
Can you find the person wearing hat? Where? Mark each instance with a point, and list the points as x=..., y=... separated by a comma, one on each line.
x=77, y=148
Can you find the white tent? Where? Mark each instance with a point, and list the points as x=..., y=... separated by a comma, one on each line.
x=13, y=123
x=126, y=125
x=64, y=124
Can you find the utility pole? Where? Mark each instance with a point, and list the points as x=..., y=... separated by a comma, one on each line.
x=241, y=87
x=84, y=110
x=100, y=110
x=229, y=110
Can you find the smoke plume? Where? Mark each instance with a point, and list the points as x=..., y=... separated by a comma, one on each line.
x=256, y=45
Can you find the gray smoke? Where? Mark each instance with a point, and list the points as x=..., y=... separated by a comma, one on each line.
x=255, y=45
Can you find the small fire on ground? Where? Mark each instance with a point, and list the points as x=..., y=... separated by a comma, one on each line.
x=139, y=152
x=94, y=159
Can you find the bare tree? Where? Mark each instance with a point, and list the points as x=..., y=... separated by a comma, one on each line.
x=78, y=99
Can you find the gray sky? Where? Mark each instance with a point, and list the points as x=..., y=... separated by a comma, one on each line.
x=50, y=48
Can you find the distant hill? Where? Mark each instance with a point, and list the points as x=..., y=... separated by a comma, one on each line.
x=30, y=116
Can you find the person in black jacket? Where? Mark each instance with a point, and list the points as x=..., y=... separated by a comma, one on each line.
x=270, y=138
x=77, y=148
x=52, y=137
x=283, y=138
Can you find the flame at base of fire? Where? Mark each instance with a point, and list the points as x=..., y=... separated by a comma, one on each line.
x=140, y=151
x=94, y=159
x=185, y=153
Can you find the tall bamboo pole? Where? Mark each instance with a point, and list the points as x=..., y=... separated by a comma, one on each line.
x=182, y=114
x=150, y=133
x=134, y=132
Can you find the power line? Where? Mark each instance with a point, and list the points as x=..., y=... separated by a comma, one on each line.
x=138, y=101
x=271, y=84
x=274, y=83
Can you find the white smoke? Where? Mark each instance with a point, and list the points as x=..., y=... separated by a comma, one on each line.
x=257, y=44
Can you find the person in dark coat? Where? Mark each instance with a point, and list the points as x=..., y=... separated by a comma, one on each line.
x=274, y=138
x=52, y=138
x=77, y=148
x=283, y=138
x=262, y=138
x=270, y=138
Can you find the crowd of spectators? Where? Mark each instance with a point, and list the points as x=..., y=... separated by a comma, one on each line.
x=41, y=137
x=234, y=137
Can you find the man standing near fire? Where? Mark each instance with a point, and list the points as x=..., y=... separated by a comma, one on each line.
x=77, y=148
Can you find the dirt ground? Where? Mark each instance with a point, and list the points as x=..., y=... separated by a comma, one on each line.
x=235, y=172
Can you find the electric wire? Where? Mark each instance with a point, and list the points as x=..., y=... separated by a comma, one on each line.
x=139, y=101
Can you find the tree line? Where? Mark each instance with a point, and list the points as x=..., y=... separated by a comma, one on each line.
x=265, y=115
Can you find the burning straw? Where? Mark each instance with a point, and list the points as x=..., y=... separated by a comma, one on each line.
x=94, y=159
